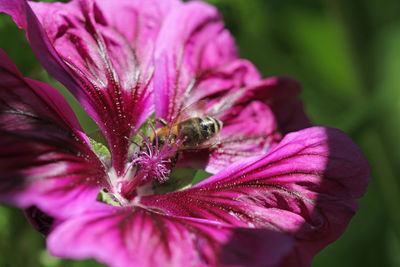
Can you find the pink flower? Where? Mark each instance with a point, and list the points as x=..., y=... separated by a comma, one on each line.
x=280, y=191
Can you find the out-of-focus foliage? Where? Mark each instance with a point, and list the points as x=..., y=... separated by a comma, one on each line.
x=346, y=54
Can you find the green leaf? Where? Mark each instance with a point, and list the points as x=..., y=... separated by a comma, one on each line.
x=105, y=197
x=99, y=148
x=179, y=179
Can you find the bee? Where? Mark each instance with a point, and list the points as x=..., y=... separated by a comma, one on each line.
x=196, y=132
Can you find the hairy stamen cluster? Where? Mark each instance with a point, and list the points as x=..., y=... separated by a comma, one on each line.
x=151, y=163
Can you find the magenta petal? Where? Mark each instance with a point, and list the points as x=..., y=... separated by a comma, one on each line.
x=255, y=118
x=259, y=116
x=102, y=53
x=281, y=94
x=250, y=134
x=132, y=236
x=45, y=158
x=109, y=50
x=220, y=81
x=48, y=57
x=305, y=186
x=198, y=62
x=196, y=46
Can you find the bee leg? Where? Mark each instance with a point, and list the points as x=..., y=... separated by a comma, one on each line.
x=174, y=160
x=162, y=121
x=133, y=142
x=159, y=120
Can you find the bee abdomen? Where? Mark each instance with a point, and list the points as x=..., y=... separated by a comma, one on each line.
x=199, y=129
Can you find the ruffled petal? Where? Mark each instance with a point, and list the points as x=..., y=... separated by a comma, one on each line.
x=307, y=186
x=255, y=118
x=251, y=133
x=197, y=62
x=102, y=54
x=133, y=236
x=256, y=121
x=281, y=94
x=45, y=159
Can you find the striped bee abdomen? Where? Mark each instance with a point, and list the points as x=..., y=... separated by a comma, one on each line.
x=198, y=130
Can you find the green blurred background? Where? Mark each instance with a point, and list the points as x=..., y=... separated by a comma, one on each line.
x=346, y=54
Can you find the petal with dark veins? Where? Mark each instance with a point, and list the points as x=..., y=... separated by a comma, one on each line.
x=197, y=62
x=189, y=54
x=133, y=236
x=45, y=158
x=281, y=94
x=254, y=120
x=306, y=186
x=251, y=133
x=103, y=55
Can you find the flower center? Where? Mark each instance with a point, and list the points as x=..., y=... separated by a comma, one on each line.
x=152, y=161
x=152, y=168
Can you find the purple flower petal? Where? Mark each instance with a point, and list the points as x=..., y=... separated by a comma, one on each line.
x=255, y=119
x=135, y=236
x=102, y=54
x=249, y=134
x=281, y=95
x=256, y=122
x=198, y=62
x=42, y=222
x=189, y=54
x=45, y=159
x=305, y=186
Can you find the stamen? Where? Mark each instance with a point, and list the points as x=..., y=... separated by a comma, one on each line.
x=153, y=163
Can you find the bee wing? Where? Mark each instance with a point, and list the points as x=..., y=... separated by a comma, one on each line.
x=210, y=143
x=200, y=109
x=195, y=109
x=225, y=103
